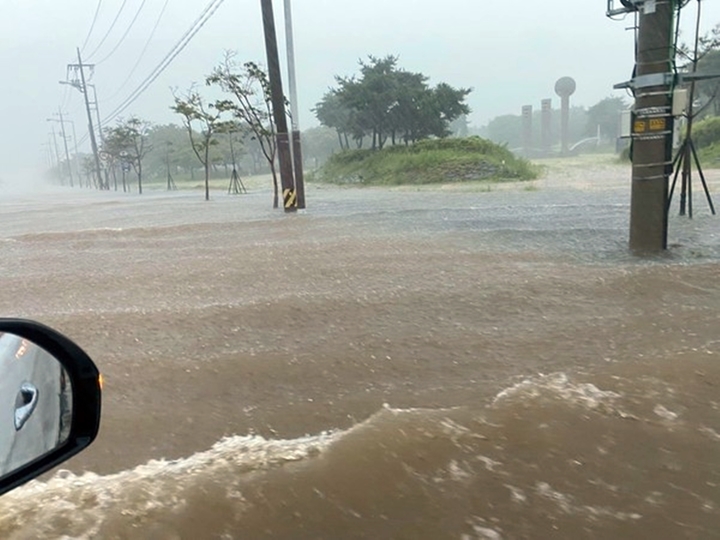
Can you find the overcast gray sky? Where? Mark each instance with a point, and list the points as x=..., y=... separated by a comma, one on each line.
x=511, y=53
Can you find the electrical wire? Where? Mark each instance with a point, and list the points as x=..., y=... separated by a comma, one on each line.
x=197, y=25
x=142, y=53
x=92, y=25
x=127, y=31
x=107, y=34
x=207, y=13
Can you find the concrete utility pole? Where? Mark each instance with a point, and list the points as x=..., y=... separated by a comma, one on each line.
x=67, y=152
x=96, y=104
x=652, y=126
x=278, y=104
x=77, y=154
x=53, y=157
x=83, y=87
x=294, y=108
x=546, y=126
x=57, y=155
x=527, y=127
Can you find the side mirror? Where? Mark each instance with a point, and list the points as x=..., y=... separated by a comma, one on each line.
x=50, y=394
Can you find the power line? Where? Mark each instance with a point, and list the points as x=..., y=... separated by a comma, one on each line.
x=92, y=26
x=122, y=39
x=199, y=23
x=107, y=34
x=205, y=16
x=144, y=50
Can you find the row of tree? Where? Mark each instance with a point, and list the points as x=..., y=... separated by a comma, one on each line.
x=383, y=104
x=214, y=132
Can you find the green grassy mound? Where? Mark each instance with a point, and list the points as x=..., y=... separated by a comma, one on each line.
x=437, y=161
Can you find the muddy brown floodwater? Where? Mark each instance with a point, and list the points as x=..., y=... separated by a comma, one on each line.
x=447, y=363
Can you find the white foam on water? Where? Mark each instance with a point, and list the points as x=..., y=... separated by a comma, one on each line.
x=567, y=505
x=137, y=492
x=558, y=385
x=710, y=432
x=481, y=531
x=665, y=413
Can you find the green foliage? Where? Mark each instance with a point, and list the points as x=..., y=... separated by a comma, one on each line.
x=707, y=132
x=388, y=104
x=707, y=92
x=318, y=144
x=127, y=142
x=249, y=103
x=710, y=155
x=606, y=114
x=194, y=110
x=427, y=162
x=507, y=129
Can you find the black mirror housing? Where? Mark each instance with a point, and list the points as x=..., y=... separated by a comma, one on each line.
x=85, y=382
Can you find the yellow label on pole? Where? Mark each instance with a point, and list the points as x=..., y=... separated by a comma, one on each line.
x=640, y=126
x=658, y=124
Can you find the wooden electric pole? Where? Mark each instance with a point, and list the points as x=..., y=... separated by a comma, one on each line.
x=652, y=126
x=278, y=104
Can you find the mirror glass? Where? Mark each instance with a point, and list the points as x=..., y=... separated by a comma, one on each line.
x=35, y=403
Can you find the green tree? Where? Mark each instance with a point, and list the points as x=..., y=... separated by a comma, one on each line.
x=170, y=147
x=128, y=141
x=250, y=104
x=385, y=102
x=507, y=129
x=319, y=143
x=707, y=132
x=333, y=113
x=708, y=91
x=706, y=60
x=606, y=115
x=195, y=110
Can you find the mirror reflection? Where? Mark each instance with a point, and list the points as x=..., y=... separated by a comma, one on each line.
x=35, y=403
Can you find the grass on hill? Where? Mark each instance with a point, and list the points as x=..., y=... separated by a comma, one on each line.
x=435, y=161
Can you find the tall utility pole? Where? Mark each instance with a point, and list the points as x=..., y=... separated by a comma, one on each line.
x=77, y=154
x=67, y=153
x=83, y=87
x=294, y=108
x=652, y=126
x=96, y=105
x=53, y=160
x=57, y=155
x=278, y=104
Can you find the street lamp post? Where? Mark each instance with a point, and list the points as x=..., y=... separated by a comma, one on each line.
x=294, y=108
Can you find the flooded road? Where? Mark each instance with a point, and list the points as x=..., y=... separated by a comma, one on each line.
x=452, y=363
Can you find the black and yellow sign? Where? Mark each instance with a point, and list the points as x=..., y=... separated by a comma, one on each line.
x=649, y=125
x=658, y=124
x=290, y=198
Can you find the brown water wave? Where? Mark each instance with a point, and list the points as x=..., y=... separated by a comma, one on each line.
x=630, y=452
